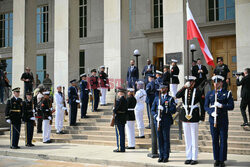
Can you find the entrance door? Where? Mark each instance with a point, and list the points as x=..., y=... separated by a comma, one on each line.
x=158, y=57
x=226, y=47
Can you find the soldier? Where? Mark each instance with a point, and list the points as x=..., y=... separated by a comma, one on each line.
x=158, y=81
x=217, y=108
x=73, y=101
x=13, y=115
x=166, y=75
x=130, y=126
x=132, y=75
x=28, y=79
x=139, y=108
x=29, y=119
x=150, y=90
x=84, y=95
x=47, y=117
x=222, y=70
x=104, y=83
x=60, y=109
x=94, y=83
x=120, y=111
x=190, y=116
x=174, y=80
x=162, y=109
x=39, y=113
x=148, y=70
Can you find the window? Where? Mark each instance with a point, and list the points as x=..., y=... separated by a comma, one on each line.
x=83, y=18
x=42, y=24
x=41, y=67
x=158, y=14
x=6, y=29
x=221, y=10
x=81, y=62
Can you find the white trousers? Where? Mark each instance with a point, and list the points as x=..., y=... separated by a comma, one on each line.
x=191, y=139
x=173, y=90
x=139, y=119
x=130, y=130
x=46, y=130
x=103, y=97
x=59, y=120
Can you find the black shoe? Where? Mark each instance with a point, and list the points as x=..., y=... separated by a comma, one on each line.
x=15, y=147
x=148, y=127
x=48, y=141
x=187, y=162
x=222, y=164
x=194, y=162
x=160, y=160
x=57, y=132
x=86, y=116
x=118, y=150
x=165, y=160
x=62, y=132
x=39, y=132
x=130, y=147
x=244, y=124
x=29, y=145
x=140, y=137
x=216, y=163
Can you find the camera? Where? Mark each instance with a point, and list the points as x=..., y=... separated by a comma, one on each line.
x=238, y=74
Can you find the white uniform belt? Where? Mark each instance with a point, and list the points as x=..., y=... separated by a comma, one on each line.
x=190, y=106
x=130, y=109
x=175, y=75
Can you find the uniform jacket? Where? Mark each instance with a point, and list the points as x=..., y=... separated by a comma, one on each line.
x=225, y=98
x=46, y=108
x=174, y=75
x=140, y=97
x=28, y=111
x=104, y=81
x=84, y=87
x=14, y=110
x=94, y=82
x=72, y=94
x=131, y=101
x=245, y=89
x=150, y=90
x=59, y=101
x=121, y=110
x=132, y=75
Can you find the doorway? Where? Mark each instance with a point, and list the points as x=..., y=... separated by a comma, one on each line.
x=158, y=57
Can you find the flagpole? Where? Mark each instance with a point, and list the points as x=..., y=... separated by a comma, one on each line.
x=187, y=44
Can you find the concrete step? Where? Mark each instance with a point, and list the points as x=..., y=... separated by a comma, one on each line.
x=242, y=151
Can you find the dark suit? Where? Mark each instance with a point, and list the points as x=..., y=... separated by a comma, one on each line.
x=146, y=73
x=73, y=96
x=200, y=77
x=132, y=76
x=166, y=78
x=245, y=95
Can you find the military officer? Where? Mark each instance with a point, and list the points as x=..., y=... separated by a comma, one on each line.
x=218, y=118
x=162, y=109
x=166, y=75
x=132, y=75
x=130, y=125
x=158, y=81
x=150, y=90
x=95, y=89
x=222, y=70
x=39, y=113
x=84, y=95
x=73, y=102
x=120, y=111
x=174, y=80
x=148, y=69
x=104, y=84
x=13, y=115
x=190, y=116
x=29, y=119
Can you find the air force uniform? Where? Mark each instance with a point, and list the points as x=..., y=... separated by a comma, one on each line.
x=73, y=100
x=84, y=96
x=150, y=90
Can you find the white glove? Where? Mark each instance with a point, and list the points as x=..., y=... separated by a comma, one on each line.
x=219, y=105
x=33, y=110
x=158, y=119
x=187, y=84
x=9, y=121
x=49, y=117
x=64, y=108
x=90, y=93
x=78, y=101
x=214, y=115
x=51, y=109
x=32, y=118
x=160, y=107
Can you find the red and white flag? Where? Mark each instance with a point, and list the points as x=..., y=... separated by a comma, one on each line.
x=194, y=32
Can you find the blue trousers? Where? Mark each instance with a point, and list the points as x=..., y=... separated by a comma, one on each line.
x=219, y=137
x=120, y=136
x=14, y=134
x=84, y=106
x=29, y=129
x=73, y=113
x=96, y=98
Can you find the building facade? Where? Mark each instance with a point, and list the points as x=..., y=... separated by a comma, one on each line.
x=65, y=38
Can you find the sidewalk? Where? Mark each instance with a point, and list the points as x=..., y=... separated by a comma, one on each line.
x=104, y=155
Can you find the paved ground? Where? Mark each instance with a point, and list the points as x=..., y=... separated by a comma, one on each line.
x=102, y=155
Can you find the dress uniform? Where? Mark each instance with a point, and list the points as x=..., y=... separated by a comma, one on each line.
x=220, y=132
x=47, y=117
x=132, y=76
x=13, y=115
x=148, y=69
x=190, y=116
x=163, y=120
x=60, y=110
x=73, y=101
x=174, y=80
x=84, y=95
x=120, y=111
x=104, y=84
x=158, y=81
x=39, y=113
x=130, y=125
x=140, y=97
x=94, y=83
x=29, y=119
x=150, y=90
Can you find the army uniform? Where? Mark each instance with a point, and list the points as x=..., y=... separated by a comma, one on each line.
x=84, y=96
x=104, y=84
x=73, y=100
x=94, y=83
x=39, y=113
x=150, y=90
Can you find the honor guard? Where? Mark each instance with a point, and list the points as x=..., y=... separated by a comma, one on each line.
x=148, y=69
x=140, y=97
x=94, y=83
x=84, y=95
x=190, y=116
x=222, y=70
x=73, y=102
x=130, y=125
x=120, y=112
x=60, y=109
x=217, y=104
x=13, y=115
x=150, y=90
x=174, y=80
x=158, y=81
x=132, y=75
x=39, y=113
x=47, y=117
x=162, y=109
x=166, y=75
x=104, y=84
x=29, y=119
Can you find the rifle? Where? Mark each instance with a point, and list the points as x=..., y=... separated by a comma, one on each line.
x=112, y=122
x=64, y=105
x=159, y=113
x=215, y=107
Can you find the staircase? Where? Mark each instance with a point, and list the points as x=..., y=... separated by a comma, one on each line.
x=96, y=130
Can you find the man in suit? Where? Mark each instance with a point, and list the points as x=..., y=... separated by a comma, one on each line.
x=132, y=75
x=73, y=101
x=148, y=70
x=223, y=70
x=174, y=80
x=245, y=95
x=200, y=72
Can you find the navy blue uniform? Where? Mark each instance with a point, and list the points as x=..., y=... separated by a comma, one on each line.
x=158, y=82
x=146, y=72
x=150, y=90
x=84, y=95
x=94, y=83
x=132, y=76
x=220, y=132
x=163, y=134
x=73, y=96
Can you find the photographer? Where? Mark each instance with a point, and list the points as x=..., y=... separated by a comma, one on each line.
x=245, y=94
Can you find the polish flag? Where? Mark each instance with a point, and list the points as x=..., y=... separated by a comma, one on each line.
x=194, y=32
